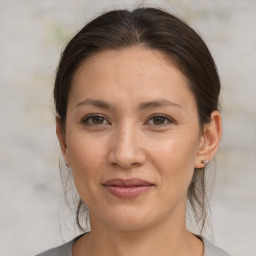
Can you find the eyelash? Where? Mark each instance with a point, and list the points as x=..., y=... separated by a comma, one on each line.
x=85, y=121
x=166, y=118
x=169, y=120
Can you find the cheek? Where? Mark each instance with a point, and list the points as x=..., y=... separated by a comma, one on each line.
x=174, y=159
x=175, y=150
x=86, y=156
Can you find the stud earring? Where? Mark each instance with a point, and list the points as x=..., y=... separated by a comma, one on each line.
x=205, y=162
x=67, y=164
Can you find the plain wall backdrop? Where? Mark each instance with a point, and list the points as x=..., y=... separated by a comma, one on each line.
x=33, y=216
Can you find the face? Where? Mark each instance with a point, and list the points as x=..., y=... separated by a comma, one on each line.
x=132, y=138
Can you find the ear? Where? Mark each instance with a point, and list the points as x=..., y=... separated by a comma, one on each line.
x=61, y=137
x=210, y=139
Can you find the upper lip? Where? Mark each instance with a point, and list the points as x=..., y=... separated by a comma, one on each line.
x=127, y=182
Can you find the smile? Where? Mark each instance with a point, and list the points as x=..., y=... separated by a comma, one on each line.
x=127, y=189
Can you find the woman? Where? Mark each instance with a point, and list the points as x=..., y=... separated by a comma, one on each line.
x=136, y=96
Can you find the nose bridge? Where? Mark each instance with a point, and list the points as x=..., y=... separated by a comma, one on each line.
x=126, y=150
x=126, y=139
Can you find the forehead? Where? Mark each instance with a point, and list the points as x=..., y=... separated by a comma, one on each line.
x=136, y=72
x=136, y=60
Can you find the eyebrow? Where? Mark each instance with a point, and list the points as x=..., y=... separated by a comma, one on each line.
x=96, y=103
x=142, y=106
x=158, y=103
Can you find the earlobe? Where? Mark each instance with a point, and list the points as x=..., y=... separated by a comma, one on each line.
x=61, y=137
x=210, y=140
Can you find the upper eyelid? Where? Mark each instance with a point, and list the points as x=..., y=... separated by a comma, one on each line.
x=93, y=115
x=149, y=118
x=163, y=116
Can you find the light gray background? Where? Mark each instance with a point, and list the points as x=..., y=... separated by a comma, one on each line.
x=32, y=34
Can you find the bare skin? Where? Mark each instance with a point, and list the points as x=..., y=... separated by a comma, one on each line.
x=131, y=114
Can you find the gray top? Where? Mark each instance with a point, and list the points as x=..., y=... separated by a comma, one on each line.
x=66, y=249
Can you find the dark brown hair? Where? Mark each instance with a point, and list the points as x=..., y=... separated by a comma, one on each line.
x=154, y=29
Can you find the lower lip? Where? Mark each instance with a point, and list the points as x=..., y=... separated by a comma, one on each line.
x=128, y=192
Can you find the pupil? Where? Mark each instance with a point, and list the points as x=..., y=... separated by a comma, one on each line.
x=158, y=120
x=97, y=120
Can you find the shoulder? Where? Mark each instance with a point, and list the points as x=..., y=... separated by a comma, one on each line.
x=212, y=250
x=63, y=250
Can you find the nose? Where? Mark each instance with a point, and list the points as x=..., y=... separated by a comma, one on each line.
x=127, y=149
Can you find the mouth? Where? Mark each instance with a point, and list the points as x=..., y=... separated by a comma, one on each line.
x=127, y=188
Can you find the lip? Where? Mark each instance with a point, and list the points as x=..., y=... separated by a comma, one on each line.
x=127, y=188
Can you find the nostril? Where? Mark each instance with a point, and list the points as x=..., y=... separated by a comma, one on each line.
x=125, y=165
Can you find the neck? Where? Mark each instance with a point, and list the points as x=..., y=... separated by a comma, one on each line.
x=159, y=240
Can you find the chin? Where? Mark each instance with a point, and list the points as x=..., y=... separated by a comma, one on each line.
x=129, y=219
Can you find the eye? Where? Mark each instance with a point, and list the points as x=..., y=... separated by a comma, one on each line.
x=160, y=120
x=95, y=120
